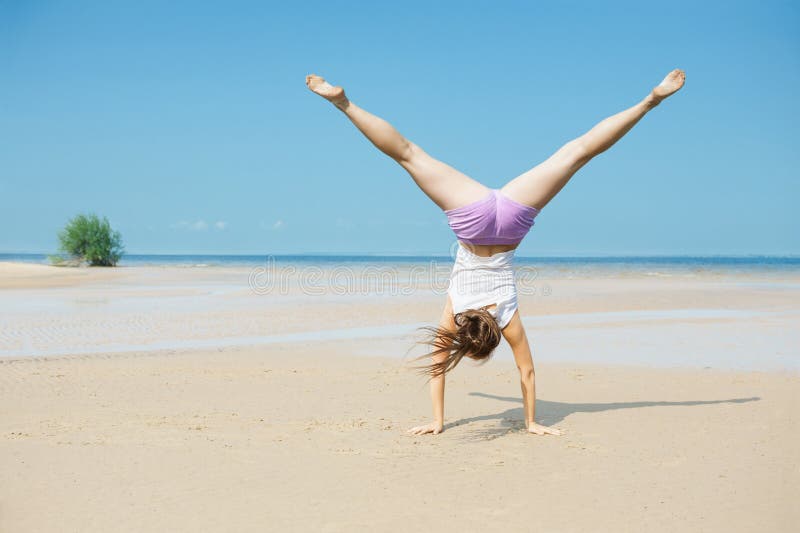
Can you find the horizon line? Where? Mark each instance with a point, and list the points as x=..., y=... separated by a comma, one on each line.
x=439, y=256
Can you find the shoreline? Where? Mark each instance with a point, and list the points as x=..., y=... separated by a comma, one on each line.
x=625, y=319
x=399, y=335
x=202, y=352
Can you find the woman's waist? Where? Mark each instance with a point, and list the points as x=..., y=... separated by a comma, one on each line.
x=487, y=251
x=499, y=262
x=495, y=269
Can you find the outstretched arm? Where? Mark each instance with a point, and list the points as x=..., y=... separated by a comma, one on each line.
x=514, y=333
x=437, y=383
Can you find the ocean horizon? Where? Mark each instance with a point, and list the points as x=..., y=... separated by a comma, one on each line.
x=767, y=266
x=251, y=259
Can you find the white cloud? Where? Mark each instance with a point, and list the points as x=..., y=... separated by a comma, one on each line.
x=197, y=225
x=344, y=223
x=272, y=226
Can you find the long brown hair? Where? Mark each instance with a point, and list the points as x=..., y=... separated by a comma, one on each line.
x=476, y=336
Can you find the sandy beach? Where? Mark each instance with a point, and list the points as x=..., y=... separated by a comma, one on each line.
x=182, y=399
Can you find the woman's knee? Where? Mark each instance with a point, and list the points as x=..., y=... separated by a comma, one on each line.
x=408, y=152
x=574, y=154
x=579, y=151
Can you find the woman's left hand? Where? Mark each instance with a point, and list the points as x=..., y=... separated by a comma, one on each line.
x=543, y=430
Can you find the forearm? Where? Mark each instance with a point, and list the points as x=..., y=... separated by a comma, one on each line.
x=528, y=384
x=437, y=398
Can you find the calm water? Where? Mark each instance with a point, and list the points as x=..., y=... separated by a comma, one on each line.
x=558, y=266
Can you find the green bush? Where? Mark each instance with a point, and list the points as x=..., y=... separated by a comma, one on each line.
x=88, y=238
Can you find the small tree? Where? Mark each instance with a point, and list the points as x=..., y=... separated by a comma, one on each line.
x=88, y=238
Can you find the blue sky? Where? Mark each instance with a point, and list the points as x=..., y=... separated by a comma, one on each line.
x=189, y=126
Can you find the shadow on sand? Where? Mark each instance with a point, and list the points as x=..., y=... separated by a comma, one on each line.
x=550, y=413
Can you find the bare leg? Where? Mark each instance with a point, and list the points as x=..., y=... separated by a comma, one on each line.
x=539, y=185
x=443, y=184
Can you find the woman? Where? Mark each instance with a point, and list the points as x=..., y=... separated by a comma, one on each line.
x=481, y=304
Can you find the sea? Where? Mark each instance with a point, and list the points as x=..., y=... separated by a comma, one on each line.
x=553, y=266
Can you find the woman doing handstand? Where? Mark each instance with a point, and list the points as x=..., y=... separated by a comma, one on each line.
x=481, y=304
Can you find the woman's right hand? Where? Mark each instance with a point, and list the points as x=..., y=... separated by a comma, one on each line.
x=433, y=427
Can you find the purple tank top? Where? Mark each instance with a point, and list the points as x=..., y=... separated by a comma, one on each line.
x=495, y=219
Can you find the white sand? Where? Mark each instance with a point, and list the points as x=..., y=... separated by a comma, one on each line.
x=307, y=433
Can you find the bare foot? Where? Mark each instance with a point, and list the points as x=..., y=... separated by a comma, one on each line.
x=670, y=85
x=333, y=94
